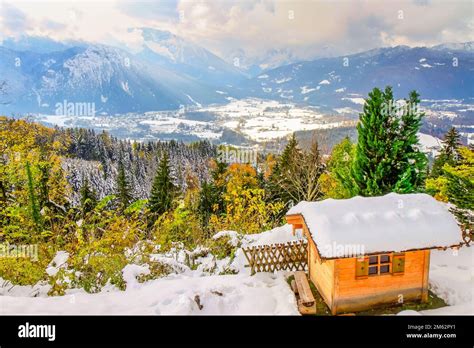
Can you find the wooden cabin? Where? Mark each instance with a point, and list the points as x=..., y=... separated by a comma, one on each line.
x=369, y=251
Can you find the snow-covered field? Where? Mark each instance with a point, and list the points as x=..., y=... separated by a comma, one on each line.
x=262, y=120
x=452, y=279
x=195, y=292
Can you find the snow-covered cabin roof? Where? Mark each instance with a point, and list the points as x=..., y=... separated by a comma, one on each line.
x=366, y=225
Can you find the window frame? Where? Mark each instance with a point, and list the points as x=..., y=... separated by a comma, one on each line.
x=379, y=264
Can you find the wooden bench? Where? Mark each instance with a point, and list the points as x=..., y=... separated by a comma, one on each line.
x=306, y=301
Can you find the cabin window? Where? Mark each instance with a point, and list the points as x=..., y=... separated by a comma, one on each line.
x=380, y=264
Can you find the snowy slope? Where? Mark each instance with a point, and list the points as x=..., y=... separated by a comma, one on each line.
x=219, y=295
x=178, y=293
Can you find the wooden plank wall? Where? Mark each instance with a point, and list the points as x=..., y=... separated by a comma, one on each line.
x=358, y=294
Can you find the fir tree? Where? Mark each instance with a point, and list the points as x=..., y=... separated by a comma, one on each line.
x=411, y=163
x=387, y=158
x=296, y=174
x=123, y=188
x=449, y=153
x=371, y=168
x=208, y=202
x=163, y=189
x=451, y=143
x=88, y=197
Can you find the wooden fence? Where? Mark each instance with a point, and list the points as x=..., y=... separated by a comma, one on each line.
x=292, y=256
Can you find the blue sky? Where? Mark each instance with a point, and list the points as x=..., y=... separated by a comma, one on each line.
x=306, y=28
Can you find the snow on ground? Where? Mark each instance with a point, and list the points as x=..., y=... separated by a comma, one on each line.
x=188, y=292
x=261, y=294
x=452, y=279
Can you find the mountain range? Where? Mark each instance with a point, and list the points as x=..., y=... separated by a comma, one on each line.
x=168, y=72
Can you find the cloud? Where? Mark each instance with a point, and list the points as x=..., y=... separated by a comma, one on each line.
x=12, y=19
x=305, y=29
x=309, y=26
x=164, y=10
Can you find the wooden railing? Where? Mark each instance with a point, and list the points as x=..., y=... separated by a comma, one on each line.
x=291, y=256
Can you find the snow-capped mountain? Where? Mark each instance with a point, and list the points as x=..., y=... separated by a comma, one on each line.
x=184, y=57
x=168, y=72
x=111, y=79
x=441, y=72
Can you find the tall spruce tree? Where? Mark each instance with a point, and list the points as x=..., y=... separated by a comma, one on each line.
x=123, y=190
x=283, y=168
x=452, y=141
x=209, y=199
x=411, y=164
x=295, y=175
x=163, y=189
x=448, y=154
x=88, y=197
x=371, y=168
x=387, y=158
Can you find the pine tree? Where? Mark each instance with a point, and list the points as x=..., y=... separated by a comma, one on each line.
x=449, y=153
x=387, y=158
x=411, y=163
x=371, y=169
x=163, y=189
x=291, y=150
x=295, y=176
x=34, y=208
x=451, y=143
x=123, y=190
x=208, y=202
x=283, y=168
x=88, y=197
